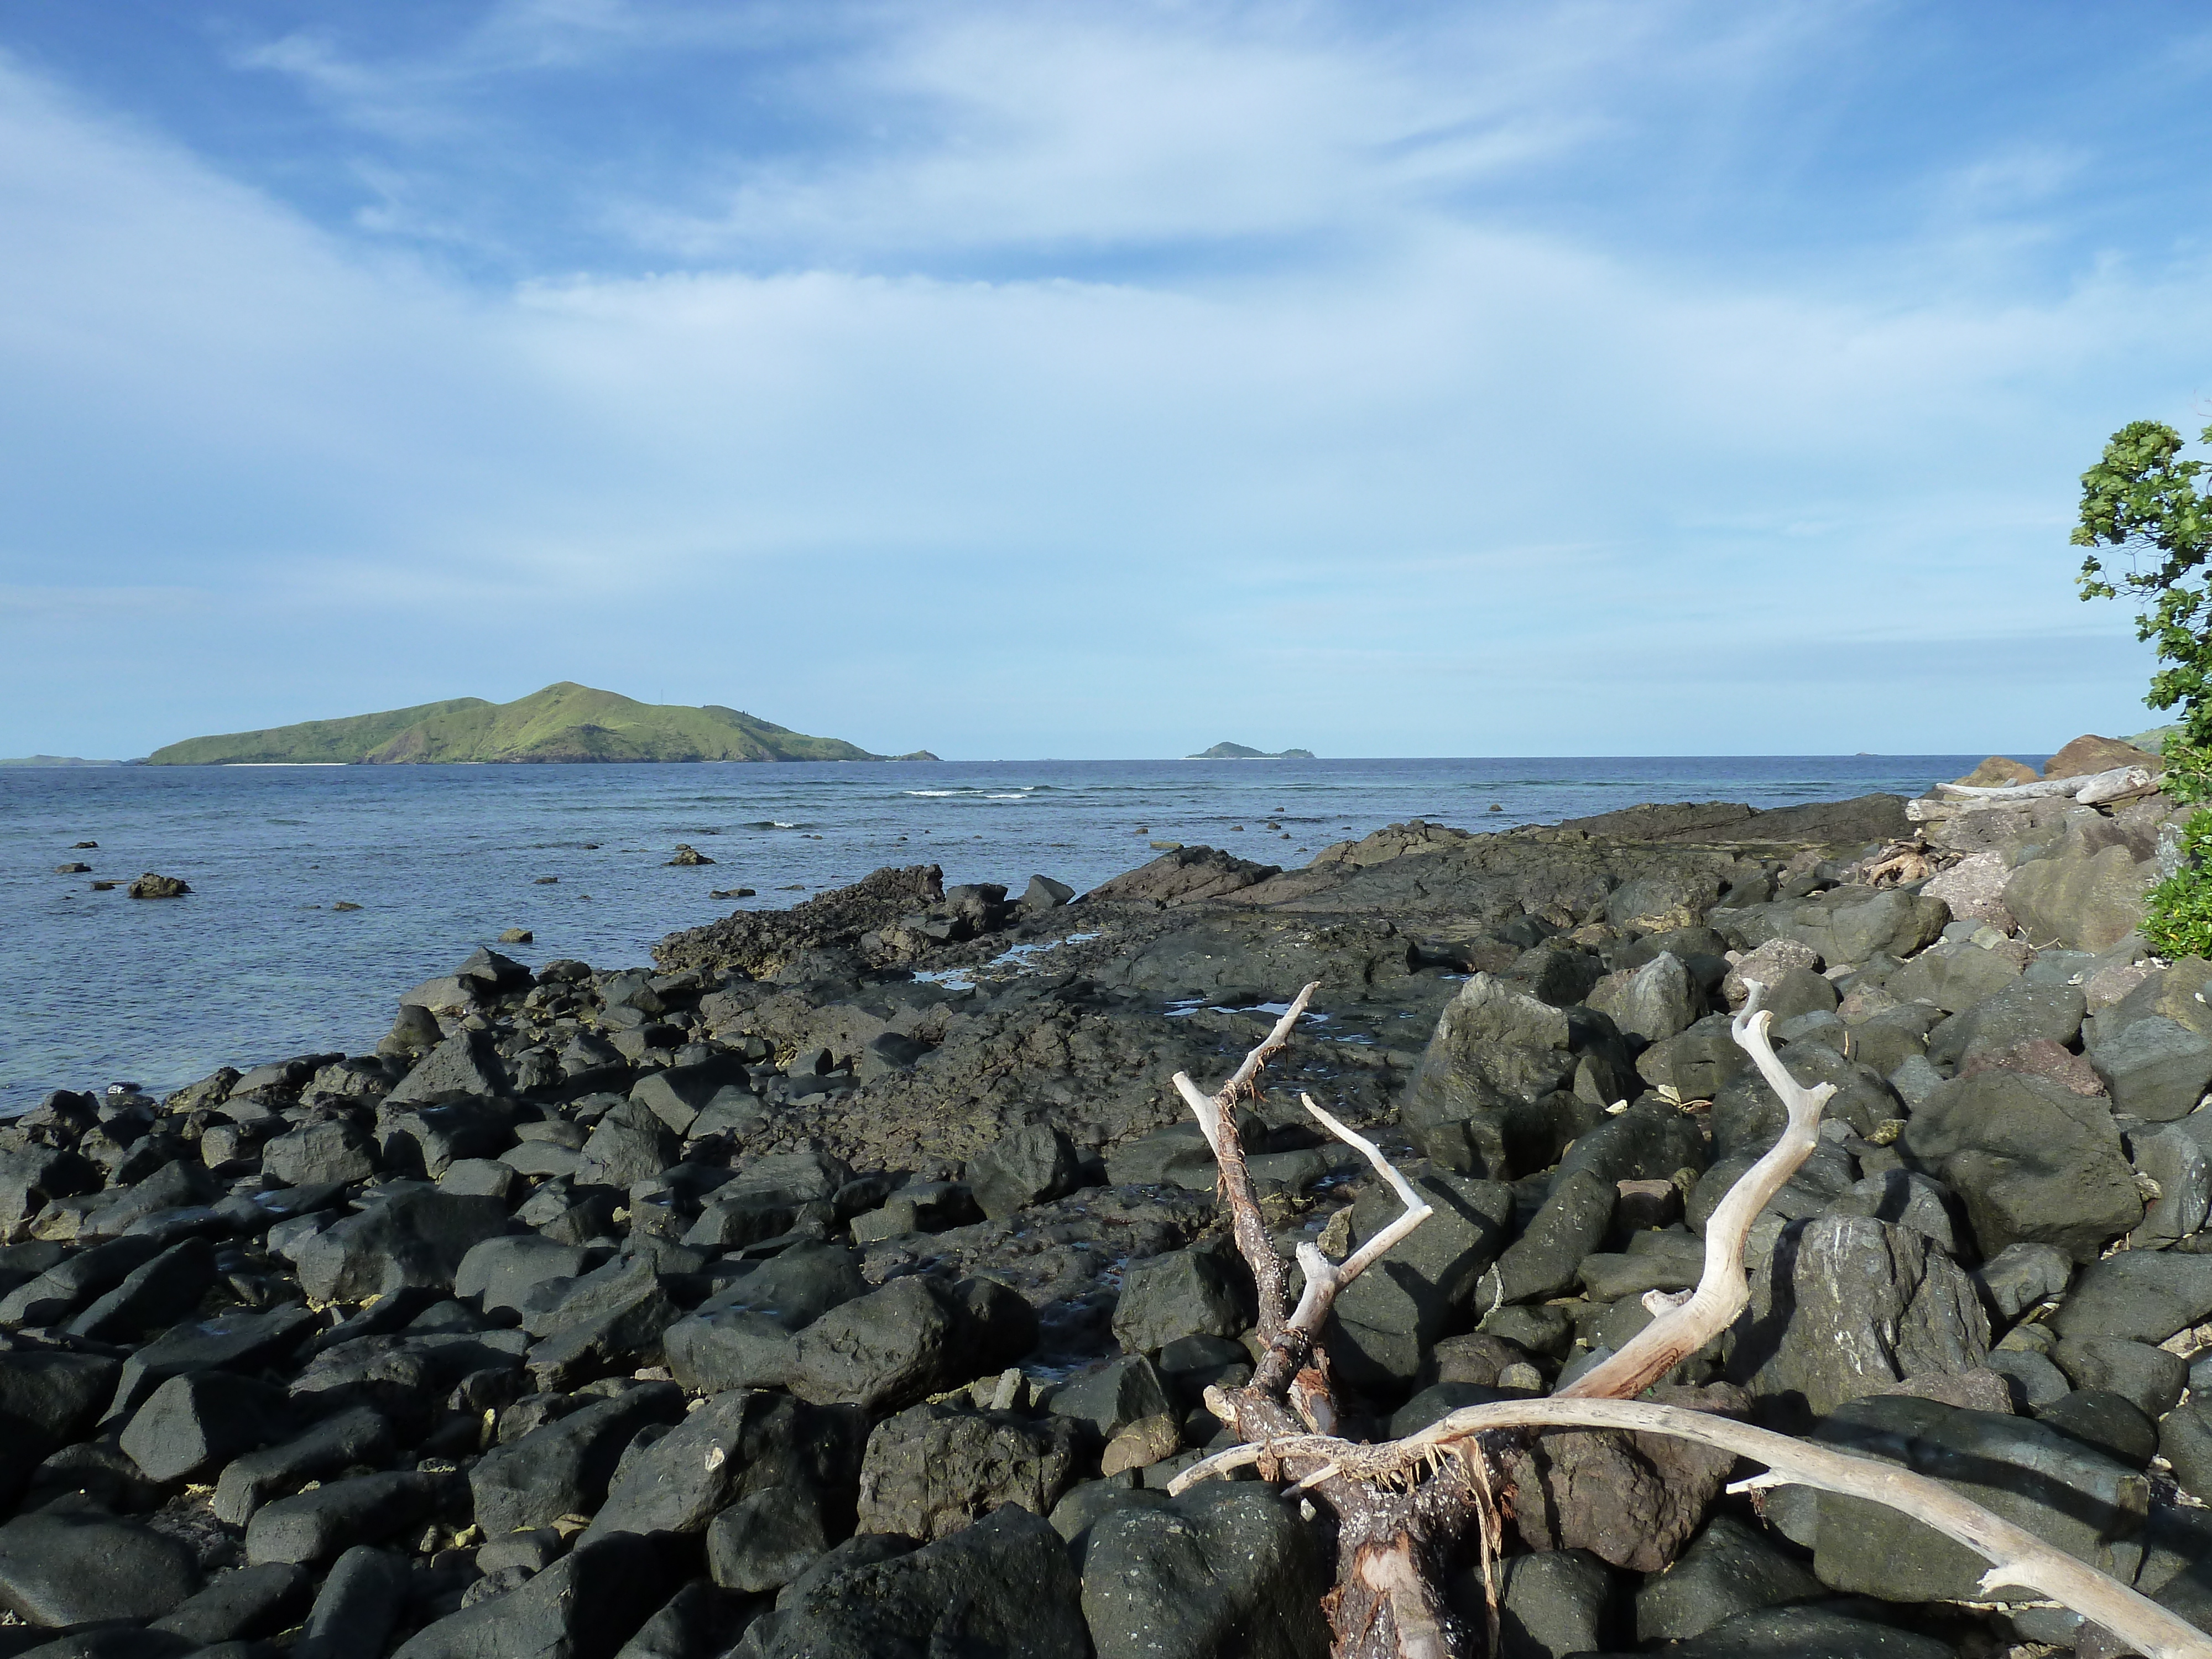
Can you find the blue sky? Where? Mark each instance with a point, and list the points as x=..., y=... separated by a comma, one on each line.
x=1067, y=379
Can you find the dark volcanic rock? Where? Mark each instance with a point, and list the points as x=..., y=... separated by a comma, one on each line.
x=196, y=1423
x=2144, y=1295
x=912, y=1338
x=759, y=943
x=153, y=1296
x=354, y=1613
x=243, y=1605
x=1227, y=1567
x=1386, y=1322
x=584, y=1606
x=333, y=1152
x=734, y=1444
x=930, y=1471
x=2086, y=1504
x=1874, y=1303
x=1205, y=1291
x=1002, y=1587
x=354, y=1436
x=2032, y=1160
x=1187, y=875
x=564, y=1469
x=1030, y=1165
x=71, y=1568
x=1633, y=1499
x=464, y=1064
x=1730, y=1568
x=415, y=1239
x=1494, y=1045
x=317, y=1525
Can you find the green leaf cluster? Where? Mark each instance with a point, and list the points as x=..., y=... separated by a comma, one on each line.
x=2142, y=498
x=2178, y=911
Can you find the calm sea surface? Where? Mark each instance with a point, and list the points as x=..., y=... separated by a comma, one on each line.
x=255, y=965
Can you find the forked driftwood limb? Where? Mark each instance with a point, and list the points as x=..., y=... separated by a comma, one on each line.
x=1722, y=1291
x=1400, y=1508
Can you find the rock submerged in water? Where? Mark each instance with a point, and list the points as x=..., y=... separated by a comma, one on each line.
x=688, y=854
x=776, y=1299
x=151, y=886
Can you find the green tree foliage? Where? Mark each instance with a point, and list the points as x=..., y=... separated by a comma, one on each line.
x=2142, y=498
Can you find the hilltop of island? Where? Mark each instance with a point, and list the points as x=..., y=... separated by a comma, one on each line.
x=55, y=760
x=1238, y=752
x=565, y=722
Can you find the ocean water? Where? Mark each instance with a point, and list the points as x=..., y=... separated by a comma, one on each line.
x=254, y=965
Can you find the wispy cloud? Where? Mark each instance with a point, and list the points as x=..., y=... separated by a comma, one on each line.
x=1018, y=380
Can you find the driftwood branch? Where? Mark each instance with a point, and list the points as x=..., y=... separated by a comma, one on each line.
x=1217, y=1121
x=2097, y=787
x=2017, y=1557
x=1402, y=1506
x=1722, y=1292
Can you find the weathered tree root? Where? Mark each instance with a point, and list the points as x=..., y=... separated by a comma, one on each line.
x=1400, y=1507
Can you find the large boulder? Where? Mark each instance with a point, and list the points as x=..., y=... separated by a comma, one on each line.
x=1955, y=975
x=2086, y=903
x=2089, y=754
x=912, y=1338
x=1874, y=1303
x=72, y=1567
x=629, y=1145
x=335, y=1151
x=1652, y=1002
x=1849, y=923
x=584, y=1606
x=728, y=1448
x=2032, y=1160
x=465, y=1064
x=1494, y=1045
x=2022, y=1012
x=414, y=1238
x=1225, y=1568
x=2153, y=1068
x=2145, y=1295
x=2028, y=1473
x=1205, y=1291
x=931, y=1471
x=1632, y=1499
x=1027, y=1166
x=1385, y=1321
x=1004, y=1586
x=563, y=1467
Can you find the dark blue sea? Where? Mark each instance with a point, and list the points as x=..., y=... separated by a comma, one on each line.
x=255, y=965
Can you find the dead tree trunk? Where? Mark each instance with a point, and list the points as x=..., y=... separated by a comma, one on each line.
x=1404, y=1508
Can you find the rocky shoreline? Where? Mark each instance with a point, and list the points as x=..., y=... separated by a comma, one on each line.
x=849, y=1283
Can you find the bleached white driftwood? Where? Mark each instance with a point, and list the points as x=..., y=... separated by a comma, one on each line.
x=2016, y=1556
x=1389, y=1498
x=2089, y=790
x=1722, y=1292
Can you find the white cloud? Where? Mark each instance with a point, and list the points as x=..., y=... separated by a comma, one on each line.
x=1434, y=480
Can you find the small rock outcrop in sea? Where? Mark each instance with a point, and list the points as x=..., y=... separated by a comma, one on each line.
x=850, y=1281
x=687, y=854
x=151, y=886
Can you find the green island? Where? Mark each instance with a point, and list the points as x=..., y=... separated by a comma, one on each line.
x=1239, y=751
x=566, y=722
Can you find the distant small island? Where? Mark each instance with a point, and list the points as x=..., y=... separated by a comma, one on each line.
x=55, y=760
x=565, y=722
x=1238, y=752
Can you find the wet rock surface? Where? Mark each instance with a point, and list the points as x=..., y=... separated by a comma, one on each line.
x=778, y=1300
